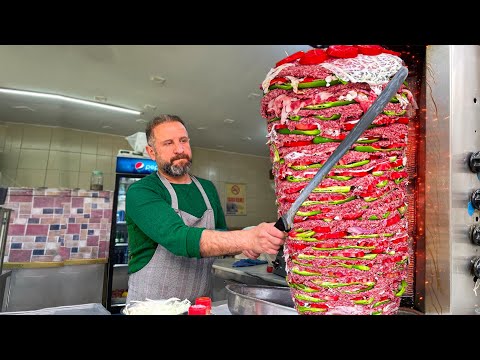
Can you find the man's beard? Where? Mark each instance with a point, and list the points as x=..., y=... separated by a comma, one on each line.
x=177, y=170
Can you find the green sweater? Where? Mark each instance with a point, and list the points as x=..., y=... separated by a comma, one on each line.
x=151, y=219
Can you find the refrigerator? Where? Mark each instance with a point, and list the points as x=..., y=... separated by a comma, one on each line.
x=130, y=167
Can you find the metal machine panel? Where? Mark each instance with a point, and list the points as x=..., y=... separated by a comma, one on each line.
x=452, y=134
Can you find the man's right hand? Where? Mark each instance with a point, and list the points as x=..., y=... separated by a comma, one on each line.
x=265, y=238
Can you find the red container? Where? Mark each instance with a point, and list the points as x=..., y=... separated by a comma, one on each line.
x=197, y=310
x=206, y=301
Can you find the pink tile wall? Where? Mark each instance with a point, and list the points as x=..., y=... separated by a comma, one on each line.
x=57, y=224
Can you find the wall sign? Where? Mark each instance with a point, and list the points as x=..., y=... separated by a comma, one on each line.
x=236, y=199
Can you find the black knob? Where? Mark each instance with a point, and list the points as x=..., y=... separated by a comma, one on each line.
x=474, y=162
x=476, y=266
x=475, y=199
x=475, y=235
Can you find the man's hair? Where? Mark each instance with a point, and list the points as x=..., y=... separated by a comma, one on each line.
x=160, y=119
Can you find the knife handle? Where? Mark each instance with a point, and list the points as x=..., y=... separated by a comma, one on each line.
x=281, y=225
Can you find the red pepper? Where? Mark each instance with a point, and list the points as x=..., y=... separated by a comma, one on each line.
x=352, y=216
x=281, y=126
x=294, y=189
x=398, y=175
x=370, y=49
x=306, y=127
x=403, y=120
x=393, y=220
x=342, y=51
x=403, y=249
x=313, y=57
x=297, y=246
x=280, y=80
x=333, y=235
x=308, y=79
x=321, y=229
x=290, y=58
x=348, y=173
x=319, y=306
x=297, y=143
x=400, y=239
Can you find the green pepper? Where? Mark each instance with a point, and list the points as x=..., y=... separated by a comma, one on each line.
x=377, y=312
x=308, y=213
x=402, y=209
x=303, y=287
x=398, y=181
x=382, y=184
x=276, y=155
x=286, y=131
x=306, y=308
x=295, y=117
x=369, y=286
x=321, y=140
x=364, y=302
x=345, y=247
x=365, y=236
x=368, y=141
x=304, y=273
x=403, y=287
x=274, y=119
x=378, y=303
x=392, y=158
x=333, y=189
x=377, y=173
x=393, y=113
x=309, y=298
x=292, y=178
x=373, y=217
x=325, y=118
x=329, y=202
x=340, y=178
x=370, y=148
x=313, y=257
x=304, y=85
x=305, y=167
x=305, y=234
x=358, y=267
x=329, y=104
x=352, y=165
x=384, y=216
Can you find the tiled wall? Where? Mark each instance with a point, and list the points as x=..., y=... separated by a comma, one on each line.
x=57, y=224
x=35, y=156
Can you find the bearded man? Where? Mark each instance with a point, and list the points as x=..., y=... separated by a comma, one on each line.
x=176, y=224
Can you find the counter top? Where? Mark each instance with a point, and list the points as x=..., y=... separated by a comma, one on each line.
x=254, y=271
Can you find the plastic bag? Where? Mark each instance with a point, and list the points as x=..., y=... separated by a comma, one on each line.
x=138, y=142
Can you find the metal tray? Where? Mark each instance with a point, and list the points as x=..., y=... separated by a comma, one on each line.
x=269, y=300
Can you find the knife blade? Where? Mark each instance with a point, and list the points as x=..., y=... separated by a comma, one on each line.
x=285, y=222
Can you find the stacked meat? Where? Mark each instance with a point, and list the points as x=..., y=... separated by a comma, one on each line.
x=347, y=252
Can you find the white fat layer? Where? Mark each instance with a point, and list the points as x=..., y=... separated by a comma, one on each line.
x=271, y=75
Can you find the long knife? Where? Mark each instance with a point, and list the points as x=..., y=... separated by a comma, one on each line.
x=285, y=223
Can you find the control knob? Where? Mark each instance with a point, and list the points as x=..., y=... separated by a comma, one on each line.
x=474, y=162
x=475, y=199
x=475, y=235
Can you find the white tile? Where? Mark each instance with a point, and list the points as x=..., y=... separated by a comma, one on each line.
x=52, y=179
x=104, y=164
x=88, y=162
x=30, y=178
x=13, y=138
x=9, y=158
x=33, y=159
x=36, y=137
x=69, y=179
x=89, y=143
x=66, y=140
x=66, y=161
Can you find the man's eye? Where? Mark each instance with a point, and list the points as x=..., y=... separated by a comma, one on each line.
x=167, y=143
x=184, y=140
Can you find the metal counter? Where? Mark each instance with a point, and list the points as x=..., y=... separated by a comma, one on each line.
x=4, y=289
x=247, y=274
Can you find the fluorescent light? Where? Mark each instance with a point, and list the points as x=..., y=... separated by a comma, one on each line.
x=70, y=99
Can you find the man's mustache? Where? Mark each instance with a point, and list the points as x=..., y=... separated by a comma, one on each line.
x=180, y=156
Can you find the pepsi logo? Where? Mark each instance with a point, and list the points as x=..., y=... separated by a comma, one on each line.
x=139, y=165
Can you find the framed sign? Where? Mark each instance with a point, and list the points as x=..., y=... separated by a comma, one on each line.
x=236, y=199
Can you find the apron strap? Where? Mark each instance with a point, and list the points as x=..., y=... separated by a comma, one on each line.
x=205, y=197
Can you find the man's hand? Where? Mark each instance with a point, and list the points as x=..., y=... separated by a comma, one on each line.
x=265, y=238
x=250, y=254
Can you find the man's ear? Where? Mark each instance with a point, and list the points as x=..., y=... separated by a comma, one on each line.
x=150, y=152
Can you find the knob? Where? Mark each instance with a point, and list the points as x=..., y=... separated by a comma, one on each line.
x=474, y=162
x=475, y=199
x=476, y=267
x=475, y=235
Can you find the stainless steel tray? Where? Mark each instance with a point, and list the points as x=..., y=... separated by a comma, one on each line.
x=269, y=300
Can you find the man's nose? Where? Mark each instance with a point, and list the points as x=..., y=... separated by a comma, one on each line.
x=179, y=148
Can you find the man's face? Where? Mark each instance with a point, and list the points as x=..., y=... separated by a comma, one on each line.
x=171, y=149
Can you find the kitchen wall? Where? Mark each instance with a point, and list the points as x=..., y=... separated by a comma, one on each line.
x=36, y=156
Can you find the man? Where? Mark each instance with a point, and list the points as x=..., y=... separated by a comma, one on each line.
x=176, y=223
